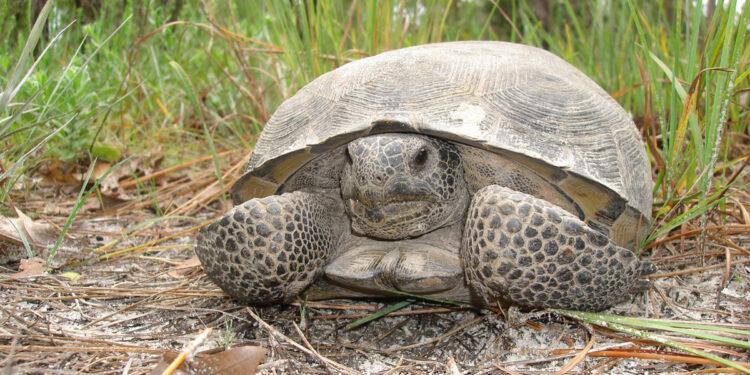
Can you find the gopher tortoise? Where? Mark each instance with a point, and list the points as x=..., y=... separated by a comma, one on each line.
x=486, y=172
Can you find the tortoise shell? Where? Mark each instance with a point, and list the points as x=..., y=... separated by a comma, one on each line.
x=516, y=101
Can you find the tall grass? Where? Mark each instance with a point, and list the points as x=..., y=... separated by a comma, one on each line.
x=318, y=36
x=692, y=91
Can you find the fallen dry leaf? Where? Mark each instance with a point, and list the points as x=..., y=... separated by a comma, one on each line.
x=29, y=267
x=38, y=233
x=239, y=360
x=72, y=276
x=59, y=172
x=183, y=269
x=108, y=179
x=41, y=236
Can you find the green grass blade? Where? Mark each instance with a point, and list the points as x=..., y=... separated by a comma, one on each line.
x=618, y=323
x=702, y=326
x=11, y=92
x=692, y=212
x=26, y=245
x=682, y=328
x=36, y=147
x=428, y=298
x=381, y=313
x=187, y=86
x=34, y=35
x=80, y=199
x=670, y=74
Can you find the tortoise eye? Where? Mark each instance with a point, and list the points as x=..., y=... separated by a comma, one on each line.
x=420, y=158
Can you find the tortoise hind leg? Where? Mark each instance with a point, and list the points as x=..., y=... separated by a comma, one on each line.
x=534, y=253
x=268, y=250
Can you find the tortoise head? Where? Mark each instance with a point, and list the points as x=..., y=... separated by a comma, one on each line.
x=397, y=186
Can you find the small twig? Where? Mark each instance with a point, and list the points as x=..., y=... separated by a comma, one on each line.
x=728, y=229
x=452, y=367
x=157, y=174
x=728, y=243
x=126, y=369
x=150, y=243
x=11, y=356
x=272, y=365
x=188, y=351
x=695, y=270
x=146, y=300
x=307, y=351
x=320, y=357
x=670, y=258
x=507, y=371
x=448, y=334
x=582, y=354
x=336, y=306
x=429, y=311
x=658, y=356
x=725, y=277
x=52, y=223
x=603, y=367
x=507, y=18
x=85, y=349
x=204, y=195
x=562, y=356
x=389, y=331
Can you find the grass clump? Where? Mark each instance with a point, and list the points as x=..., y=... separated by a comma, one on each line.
x=639, y=327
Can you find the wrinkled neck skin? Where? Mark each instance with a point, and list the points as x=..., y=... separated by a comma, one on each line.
x=399, y=186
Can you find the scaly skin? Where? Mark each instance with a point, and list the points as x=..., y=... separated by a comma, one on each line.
x=266, y=251
x=534, y=253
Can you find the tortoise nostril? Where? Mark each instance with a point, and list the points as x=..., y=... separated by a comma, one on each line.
x=379, y=179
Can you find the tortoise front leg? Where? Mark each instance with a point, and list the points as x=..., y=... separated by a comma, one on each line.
x=534, y=253
x=268, y=250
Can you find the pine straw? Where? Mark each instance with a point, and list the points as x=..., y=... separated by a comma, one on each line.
x=129, y=309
